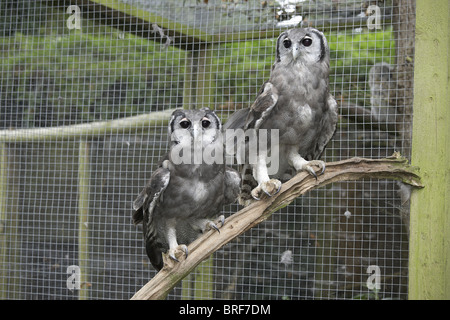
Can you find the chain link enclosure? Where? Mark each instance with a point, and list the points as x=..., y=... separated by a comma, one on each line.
x=86, y=91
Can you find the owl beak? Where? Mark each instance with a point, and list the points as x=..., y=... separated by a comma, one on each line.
x=197, y=132
x=295, y=51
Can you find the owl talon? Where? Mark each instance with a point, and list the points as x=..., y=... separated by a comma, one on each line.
x=322, y=165
x=212, y=225
x=319, y=163
x=171, y=256
x=279, y=188
x=311, y=171
x=221, y=220
x=270, y=188
x=174, y=252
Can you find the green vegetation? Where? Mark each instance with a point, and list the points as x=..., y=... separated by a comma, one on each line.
x=351, y=58
x=78, y=77
x=245, y=65
x=55, y=76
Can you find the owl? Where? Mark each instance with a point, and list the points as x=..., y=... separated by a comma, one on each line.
x=295, y=101
x=186, y=193
x=382, y=92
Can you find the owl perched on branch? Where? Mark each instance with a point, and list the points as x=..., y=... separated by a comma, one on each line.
x=187, y=192
x=295, y=101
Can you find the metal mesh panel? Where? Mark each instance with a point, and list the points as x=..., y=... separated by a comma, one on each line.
x=86, y=92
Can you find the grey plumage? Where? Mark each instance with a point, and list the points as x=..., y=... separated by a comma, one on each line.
x=297, y=102
x=183, y=197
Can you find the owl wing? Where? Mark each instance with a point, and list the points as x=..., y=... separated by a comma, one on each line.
x=146, y=201
x=144, y=206
x=254, y=116
x=237, y=119
x=328, y=127
x=260, y=110
x=232, y=185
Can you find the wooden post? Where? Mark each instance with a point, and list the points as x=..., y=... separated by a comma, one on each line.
x=199, y=85
x=429, y=259
x=83, y=217
x=205, y=78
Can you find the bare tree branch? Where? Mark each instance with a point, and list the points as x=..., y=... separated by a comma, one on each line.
x=364, y=117
x=392, y=168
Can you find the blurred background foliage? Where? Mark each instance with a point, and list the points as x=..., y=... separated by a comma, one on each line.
x=53, y=76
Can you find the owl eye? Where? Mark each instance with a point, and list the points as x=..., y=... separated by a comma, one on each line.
x=287, y=43
x=205, y=122
x=184, y=123
x=307, y=41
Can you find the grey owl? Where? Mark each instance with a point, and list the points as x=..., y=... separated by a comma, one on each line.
x=382, y=92
x=296, y=100
x=187, y=191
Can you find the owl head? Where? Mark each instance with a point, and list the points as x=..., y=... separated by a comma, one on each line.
x=192, y=131
x=304, y=45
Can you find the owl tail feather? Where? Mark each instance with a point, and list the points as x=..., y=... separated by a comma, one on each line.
x=248, y=184
x=155, y=256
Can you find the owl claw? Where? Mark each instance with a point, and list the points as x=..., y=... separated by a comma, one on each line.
x=173, y=252
x=319, y=163
x=323, y=167
x=172, y=256
x=270, y=188
x=221, y=220
x=311, y=171
x=212, y=225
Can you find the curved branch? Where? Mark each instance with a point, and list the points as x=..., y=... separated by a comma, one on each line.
x=392, y=168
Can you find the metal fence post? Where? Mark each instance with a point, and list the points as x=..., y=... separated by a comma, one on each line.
x=9, y=236
x=3, y=234
x=83, y=217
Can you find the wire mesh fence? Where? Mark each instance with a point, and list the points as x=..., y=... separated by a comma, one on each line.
x=86, y=92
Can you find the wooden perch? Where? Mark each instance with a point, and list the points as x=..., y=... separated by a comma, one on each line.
x=392, y=168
